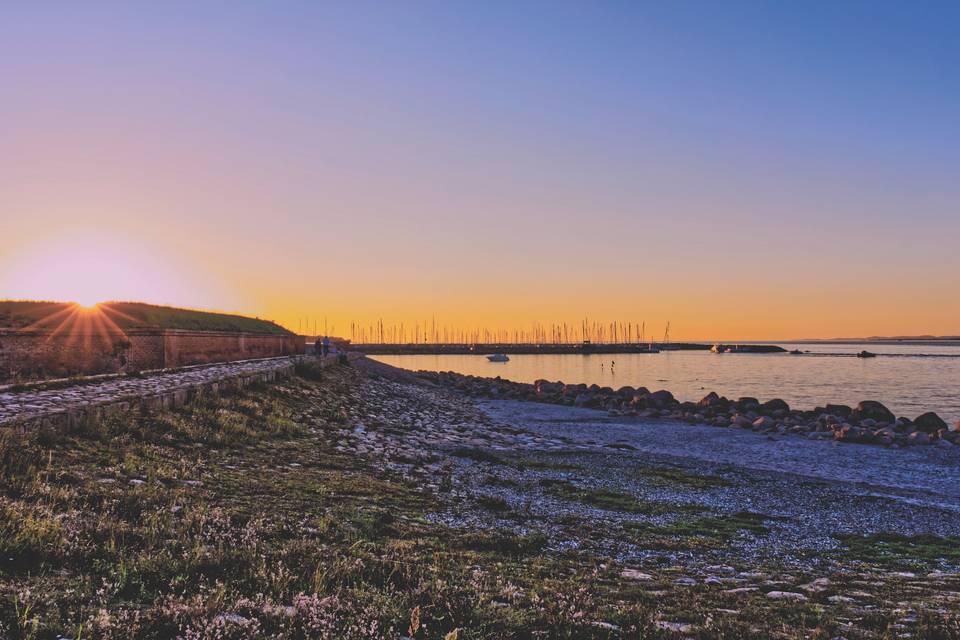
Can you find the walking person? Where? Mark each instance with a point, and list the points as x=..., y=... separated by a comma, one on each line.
x=326, y=345
x=316, y=346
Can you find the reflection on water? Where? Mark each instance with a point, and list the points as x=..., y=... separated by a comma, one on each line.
x=908, y=379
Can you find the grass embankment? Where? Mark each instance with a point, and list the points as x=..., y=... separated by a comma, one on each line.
x=236, y=516
x=19, y=314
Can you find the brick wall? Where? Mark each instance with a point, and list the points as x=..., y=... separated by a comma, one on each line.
x=181, y=348
x=30, y=355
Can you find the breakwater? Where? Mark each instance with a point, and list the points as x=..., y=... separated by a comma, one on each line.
x=869, y=422
x=457, y=349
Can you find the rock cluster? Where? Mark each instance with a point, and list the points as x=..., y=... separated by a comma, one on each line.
x=870, y=422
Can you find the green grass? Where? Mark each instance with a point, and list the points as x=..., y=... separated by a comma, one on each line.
x=612, y=500
x=18, y=314
x=711, y=532
x=902, y=551
x=481, y=455
x=665, y=476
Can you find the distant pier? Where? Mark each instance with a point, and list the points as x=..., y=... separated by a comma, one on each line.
x=545, y=349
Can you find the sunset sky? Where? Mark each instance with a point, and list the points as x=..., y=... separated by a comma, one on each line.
x=761, y=170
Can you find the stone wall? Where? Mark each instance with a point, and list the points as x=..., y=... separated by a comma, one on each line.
x=38, y=354
x=181, y=348
x=32, y=355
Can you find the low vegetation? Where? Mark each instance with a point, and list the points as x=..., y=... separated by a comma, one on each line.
x=613, y=500
x=238, y=516
x=920, y=551
x=19, y=314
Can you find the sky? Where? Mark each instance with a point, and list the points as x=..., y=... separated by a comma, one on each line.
x=743, y=170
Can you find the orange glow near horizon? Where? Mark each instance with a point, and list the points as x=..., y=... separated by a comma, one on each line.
x=439, y=304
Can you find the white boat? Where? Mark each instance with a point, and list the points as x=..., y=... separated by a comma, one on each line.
x=498, y=357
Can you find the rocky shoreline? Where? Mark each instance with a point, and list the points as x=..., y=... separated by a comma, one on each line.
x=870, y=422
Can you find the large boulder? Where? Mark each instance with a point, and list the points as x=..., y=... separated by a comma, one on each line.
x=770, y=406
x=688, y=407
x=747, y=403
x=840, y=410
x=626, y=392
x=763, y=422
x=709, y=400
x=639, y=400
x=875, y=410
x=929, y=423
x=574, y=389
x=583, y=399
x=849, y=433
x=547, y=388
x=660, y=399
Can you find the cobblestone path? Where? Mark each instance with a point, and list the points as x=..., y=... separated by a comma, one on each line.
x=31, y=404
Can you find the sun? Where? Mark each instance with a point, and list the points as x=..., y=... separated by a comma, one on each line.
x=95, y=267
x=86, y=302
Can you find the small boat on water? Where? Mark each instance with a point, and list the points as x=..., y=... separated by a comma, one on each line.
x=796, y=352
x=866, y=354
x=498, y=357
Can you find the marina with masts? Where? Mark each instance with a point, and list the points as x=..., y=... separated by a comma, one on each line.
x=586, y=337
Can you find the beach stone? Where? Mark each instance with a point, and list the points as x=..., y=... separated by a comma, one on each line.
x=709, y=400
x=929, y=422
x=763, y=422
x=635, y=574
x=775, y=405
x=919, y=437
x=841, y=410
x=849, y=433
x=545, y=387
x=660, y=398
x=816, y=586
x=582, y=399
x=574, y=389
x=873, y=409
x=747, y=403
x=786, y=595
x=840, y=599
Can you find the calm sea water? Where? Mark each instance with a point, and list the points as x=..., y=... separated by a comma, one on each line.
x=908, y=379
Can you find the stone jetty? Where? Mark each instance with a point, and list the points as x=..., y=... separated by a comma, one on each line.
x=870, y=422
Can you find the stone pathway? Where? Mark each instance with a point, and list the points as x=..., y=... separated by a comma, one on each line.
x=33, y=404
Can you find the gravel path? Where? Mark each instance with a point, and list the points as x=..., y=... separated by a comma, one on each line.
x=925, y=474
x=39, y=402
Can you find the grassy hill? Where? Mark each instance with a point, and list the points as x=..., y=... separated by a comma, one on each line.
x=19, y=314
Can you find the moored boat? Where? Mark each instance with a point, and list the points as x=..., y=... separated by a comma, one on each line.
x=498, y=357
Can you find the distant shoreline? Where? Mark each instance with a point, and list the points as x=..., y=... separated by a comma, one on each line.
x=919, y=342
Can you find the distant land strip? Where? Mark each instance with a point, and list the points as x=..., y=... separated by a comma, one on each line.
x=514, y=348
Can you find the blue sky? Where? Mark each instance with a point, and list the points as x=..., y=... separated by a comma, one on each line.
x=767, y=146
